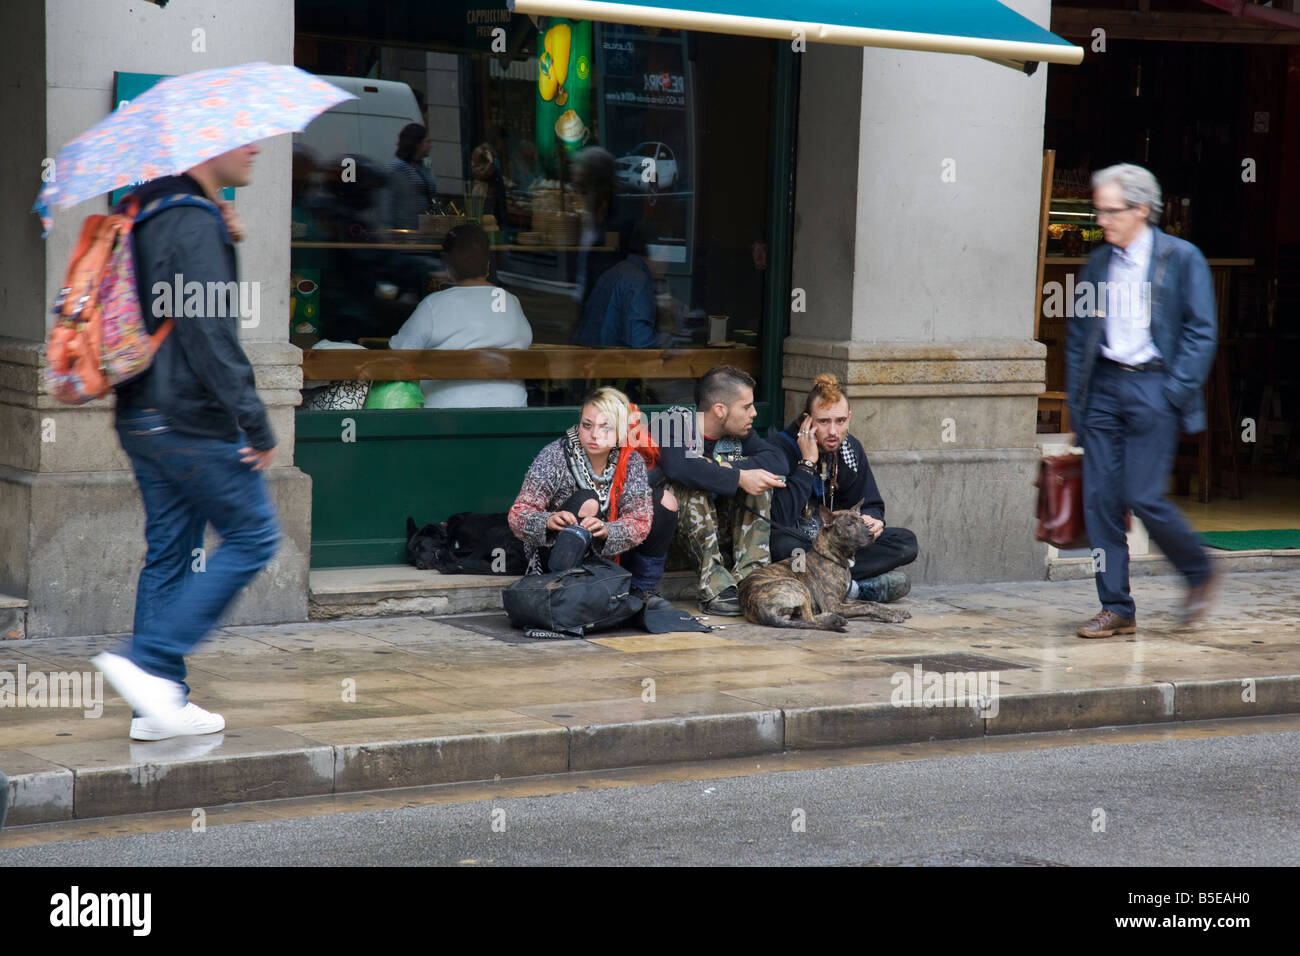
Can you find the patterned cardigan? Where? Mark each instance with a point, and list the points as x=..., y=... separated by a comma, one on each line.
x=549, y=482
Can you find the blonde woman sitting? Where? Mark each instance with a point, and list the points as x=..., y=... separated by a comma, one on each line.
x=595, y=478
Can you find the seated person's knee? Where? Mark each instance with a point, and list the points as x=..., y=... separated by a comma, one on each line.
x=907, y=545
x=784, y=545
x=582, y=503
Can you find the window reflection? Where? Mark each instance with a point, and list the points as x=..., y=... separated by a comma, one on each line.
x=617, y=177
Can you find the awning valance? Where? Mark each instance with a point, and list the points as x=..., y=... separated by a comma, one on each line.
x=981, y=28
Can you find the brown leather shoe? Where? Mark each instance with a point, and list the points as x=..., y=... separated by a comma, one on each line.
x=1201, y=598
x=1108, y=624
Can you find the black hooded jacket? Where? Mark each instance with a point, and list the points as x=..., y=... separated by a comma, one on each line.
x=856, y=482
x=200, y=379
x=699, y=470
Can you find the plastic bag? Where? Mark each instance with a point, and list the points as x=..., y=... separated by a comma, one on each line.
x=395, y=395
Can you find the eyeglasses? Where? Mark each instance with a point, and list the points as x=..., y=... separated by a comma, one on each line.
x=1100, y=213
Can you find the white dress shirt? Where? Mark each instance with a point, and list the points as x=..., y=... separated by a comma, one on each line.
x=1128, y=303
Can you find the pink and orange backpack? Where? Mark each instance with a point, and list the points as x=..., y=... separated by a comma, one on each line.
x=100, y=339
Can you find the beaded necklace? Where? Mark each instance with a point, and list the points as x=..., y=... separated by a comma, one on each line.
x=831, y=483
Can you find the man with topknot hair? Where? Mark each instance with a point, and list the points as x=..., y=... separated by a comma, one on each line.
x=828, y=466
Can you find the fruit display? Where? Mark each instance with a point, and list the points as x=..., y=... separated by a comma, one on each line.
x=553, y=64
x=1071, y=227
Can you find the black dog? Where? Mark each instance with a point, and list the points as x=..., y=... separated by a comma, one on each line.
x=427, y=547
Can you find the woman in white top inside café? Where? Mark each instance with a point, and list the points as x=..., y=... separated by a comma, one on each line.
x=472, y=314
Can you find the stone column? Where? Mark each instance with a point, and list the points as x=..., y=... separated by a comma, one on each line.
x=71, y=522
x=914, y=267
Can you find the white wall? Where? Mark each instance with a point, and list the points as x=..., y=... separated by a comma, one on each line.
x=88, y=40
x=947, y=260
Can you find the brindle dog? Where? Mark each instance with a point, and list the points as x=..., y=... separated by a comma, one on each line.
x=815, y=597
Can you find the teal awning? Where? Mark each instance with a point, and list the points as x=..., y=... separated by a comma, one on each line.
x=981, y=28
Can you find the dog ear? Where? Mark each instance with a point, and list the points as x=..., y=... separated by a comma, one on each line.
x=410, y=527
x=825, y=515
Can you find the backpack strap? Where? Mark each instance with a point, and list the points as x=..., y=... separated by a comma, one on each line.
x=163, y=203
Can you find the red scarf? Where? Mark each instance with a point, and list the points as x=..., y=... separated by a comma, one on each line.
x=638, y=440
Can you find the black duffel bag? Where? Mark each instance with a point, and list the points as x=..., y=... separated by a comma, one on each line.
x=593, y=596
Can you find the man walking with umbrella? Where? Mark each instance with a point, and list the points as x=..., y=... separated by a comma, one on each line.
x=192, y=424
x=198, y=436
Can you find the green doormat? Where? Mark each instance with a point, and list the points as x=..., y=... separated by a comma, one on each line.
x=1273, y=540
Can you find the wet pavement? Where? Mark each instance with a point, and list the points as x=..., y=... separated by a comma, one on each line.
x=372, y=703
x=1208, y=793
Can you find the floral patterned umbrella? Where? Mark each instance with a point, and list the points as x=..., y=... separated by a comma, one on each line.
x=181, y=122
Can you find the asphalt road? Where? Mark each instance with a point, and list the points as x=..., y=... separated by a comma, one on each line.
x=1218, y=801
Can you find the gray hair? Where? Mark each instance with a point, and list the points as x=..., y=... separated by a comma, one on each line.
x=1137, y=185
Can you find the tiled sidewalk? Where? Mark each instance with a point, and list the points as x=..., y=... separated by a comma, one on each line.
x=366, y=703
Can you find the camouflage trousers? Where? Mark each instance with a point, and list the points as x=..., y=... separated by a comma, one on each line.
x=701, y=517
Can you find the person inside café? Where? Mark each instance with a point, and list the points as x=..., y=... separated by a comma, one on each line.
x=594, y=174
x=622, y=311
x=411, y=187
x=471, y=314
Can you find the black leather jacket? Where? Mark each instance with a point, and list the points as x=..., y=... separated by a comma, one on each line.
x=200, y=379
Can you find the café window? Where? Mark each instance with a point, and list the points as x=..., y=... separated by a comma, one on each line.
x=514, y=209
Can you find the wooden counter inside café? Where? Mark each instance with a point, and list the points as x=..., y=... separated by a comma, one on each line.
x=538, y=362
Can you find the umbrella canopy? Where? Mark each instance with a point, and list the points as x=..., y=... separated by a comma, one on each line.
x=181, y=122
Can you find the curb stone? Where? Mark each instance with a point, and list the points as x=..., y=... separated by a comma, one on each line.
x=40, y=791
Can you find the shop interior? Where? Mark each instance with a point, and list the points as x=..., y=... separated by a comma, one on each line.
x=1211, y=105
x=575, y=145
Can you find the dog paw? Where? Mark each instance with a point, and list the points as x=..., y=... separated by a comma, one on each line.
x=895, y=616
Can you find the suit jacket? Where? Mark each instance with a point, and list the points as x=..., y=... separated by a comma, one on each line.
x=1184, y=327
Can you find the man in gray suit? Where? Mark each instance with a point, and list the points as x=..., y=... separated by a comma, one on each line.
x=1140, y=346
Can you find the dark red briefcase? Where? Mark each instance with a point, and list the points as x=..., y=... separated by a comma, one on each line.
x=1060, y=502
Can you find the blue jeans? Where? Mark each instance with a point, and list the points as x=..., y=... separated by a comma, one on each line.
x=185, y=482
x=1129, y=436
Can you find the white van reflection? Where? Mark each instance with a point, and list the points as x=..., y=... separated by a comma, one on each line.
x=648, y=167
x=364, y=127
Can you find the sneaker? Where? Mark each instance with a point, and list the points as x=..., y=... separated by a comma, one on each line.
x=190, y=720
x=726, y=604
x=884, y=588
x=151, y=696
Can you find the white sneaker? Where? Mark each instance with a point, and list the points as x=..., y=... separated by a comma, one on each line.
x=189, y=720
x=149, y=695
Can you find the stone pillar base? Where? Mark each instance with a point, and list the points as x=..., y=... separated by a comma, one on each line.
x=71, y=521
x=88, y=547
